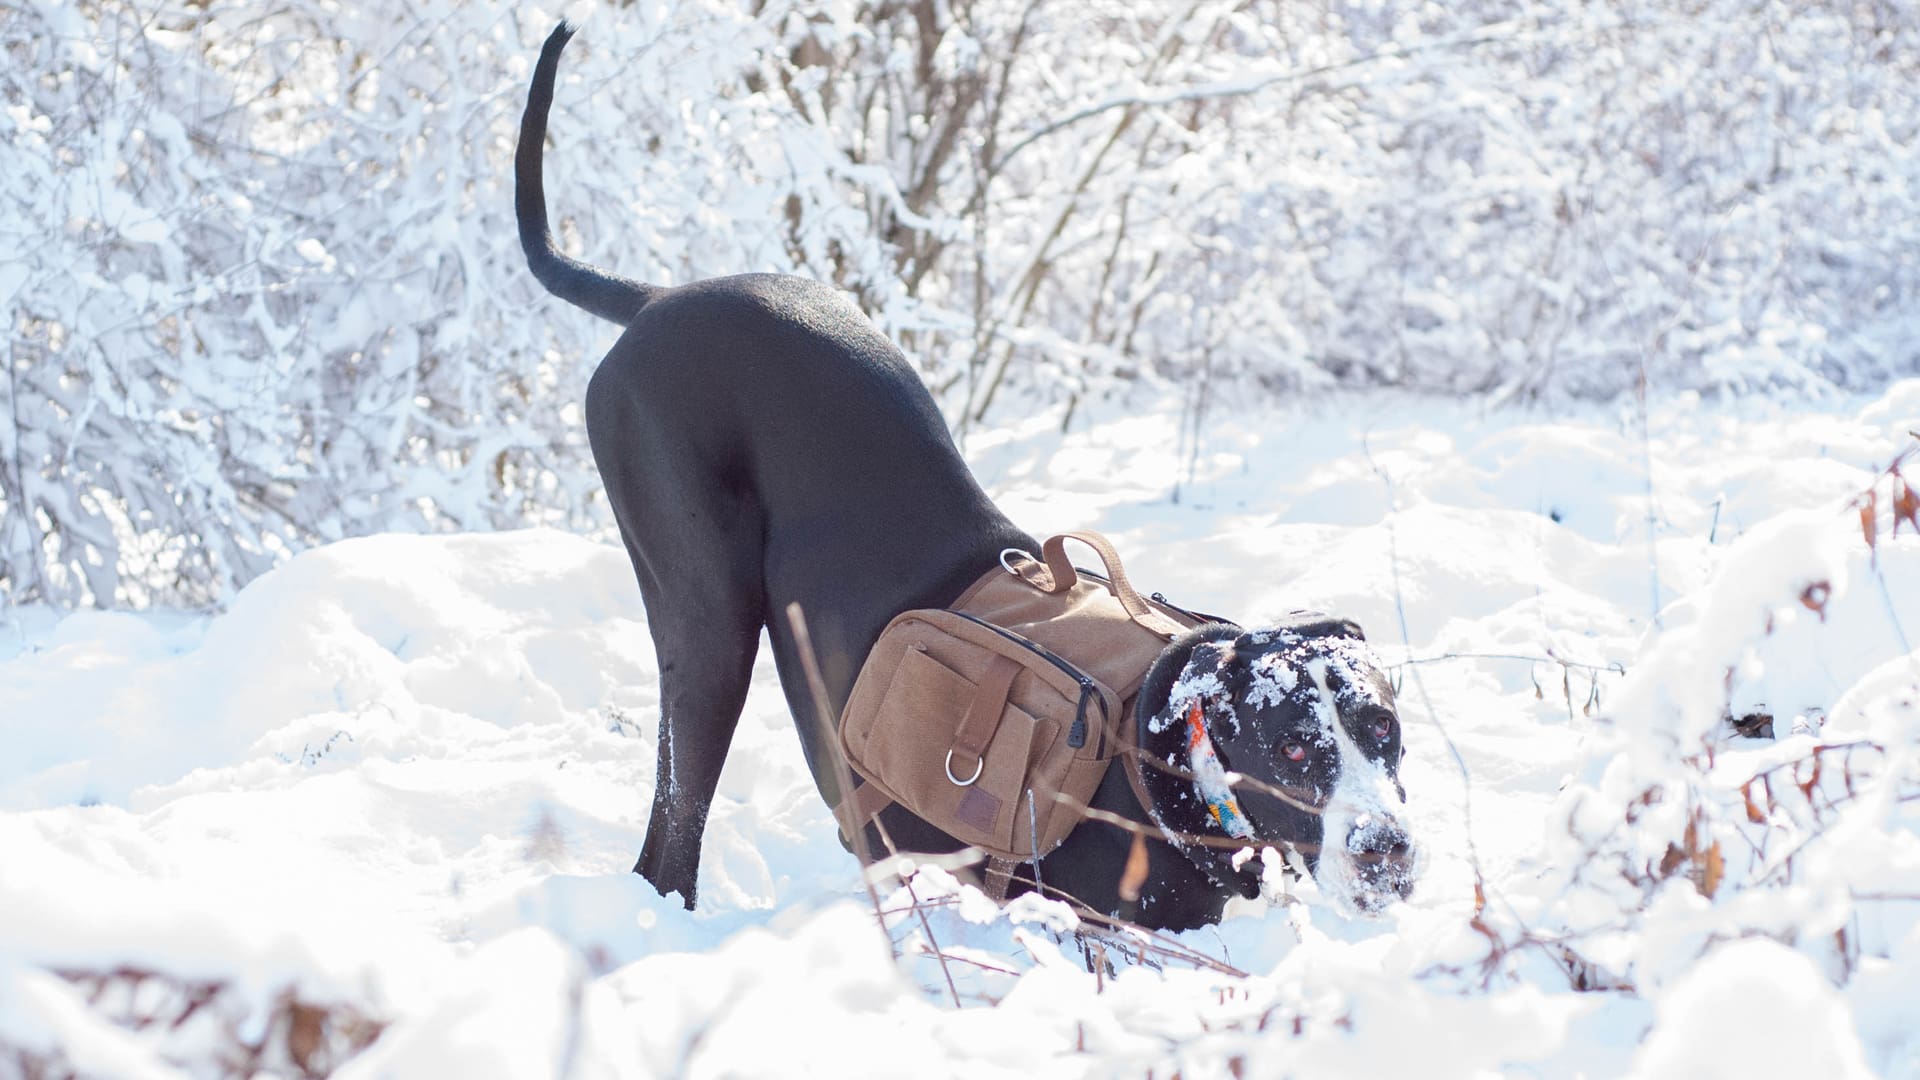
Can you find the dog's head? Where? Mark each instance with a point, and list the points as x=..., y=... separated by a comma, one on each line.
x=1286, y=736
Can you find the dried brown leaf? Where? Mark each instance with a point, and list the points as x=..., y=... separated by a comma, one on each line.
x=1906, y=506
x=1673, y=860
x=1135, y=874
x=306, y=1033
x=1713, y=869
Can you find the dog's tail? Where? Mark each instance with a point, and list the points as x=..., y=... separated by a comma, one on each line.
x=609, y=296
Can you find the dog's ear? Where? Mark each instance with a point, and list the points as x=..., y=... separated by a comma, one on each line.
x=1193, y=654
x=1296, y=626
x=1190, y=671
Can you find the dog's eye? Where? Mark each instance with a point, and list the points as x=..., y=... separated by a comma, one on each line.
x=1380, y=727
x=1293, y=751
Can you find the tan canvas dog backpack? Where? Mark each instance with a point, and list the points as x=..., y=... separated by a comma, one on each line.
x=996, y=719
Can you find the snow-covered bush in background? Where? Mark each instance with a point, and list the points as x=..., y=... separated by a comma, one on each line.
x=262, y=287
x=1681, y=835
x=264, y=290
x=1532, y=198
x=254, y=294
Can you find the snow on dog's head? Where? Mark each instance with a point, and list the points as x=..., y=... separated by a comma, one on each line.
x=1286, y=736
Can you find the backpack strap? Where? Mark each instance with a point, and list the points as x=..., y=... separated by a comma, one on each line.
x=1135, y=768
x=997, y=878
x=989, y=704
x=1059, y=575
x=866, y=802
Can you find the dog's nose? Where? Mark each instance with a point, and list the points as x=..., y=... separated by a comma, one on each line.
x=1379, y=838
x=1383, y=854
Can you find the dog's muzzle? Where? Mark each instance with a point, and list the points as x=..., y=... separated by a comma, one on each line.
x=1382, y=856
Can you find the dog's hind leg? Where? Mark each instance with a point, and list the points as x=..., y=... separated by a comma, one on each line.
x=705, y=669
x=695, y=541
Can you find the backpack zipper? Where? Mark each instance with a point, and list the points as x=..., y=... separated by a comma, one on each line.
x=1197, y=616
x=1161, y=599
x=1077, y=734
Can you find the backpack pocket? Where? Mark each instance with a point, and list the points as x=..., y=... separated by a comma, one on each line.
x=966, y=724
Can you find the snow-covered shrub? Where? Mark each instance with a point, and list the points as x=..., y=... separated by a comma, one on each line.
x=266, y=291
x=1681, y=834
x=119, y=1022
x=1533, y=198
x=257, y=302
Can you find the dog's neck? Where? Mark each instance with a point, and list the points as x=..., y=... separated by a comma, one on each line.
x=1178, y=893
x=1181, y=808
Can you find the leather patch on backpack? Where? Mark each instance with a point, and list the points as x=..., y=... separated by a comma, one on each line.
x=977, y=810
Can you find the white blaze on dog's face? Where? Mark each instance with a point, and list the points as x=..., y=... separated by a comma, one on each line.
x=1309, y=720
x=1366, y=856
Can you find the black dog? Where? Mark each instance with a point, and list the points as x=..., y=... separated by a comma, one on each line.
x=762, y=444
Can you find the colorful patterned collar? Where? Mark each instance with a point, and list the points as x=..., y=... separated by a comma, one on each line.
x=1210, y=778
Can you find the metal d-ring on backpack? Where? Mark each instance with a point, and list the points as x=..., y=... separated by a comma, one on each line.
x=996, y=719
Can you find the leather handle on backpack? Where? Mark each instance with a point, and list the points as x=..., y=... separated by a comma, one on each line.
x=1054, y=552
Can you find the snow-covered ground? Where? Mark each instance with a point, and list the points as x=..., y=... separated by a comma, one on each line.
x=378, y=816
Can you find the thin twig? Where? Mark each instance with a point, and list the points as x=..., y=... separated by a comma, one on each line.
x=823, y=718
x=1216, y=91
x=1159, y=943
x=981, y=964
x=1151, y=832
x=1234, y=779
x=1496, y=944
x=1406, y=640
x=1613, y=667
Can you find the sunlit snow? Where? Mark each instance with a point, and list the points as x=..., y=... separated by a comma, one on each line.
x=406, y=776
